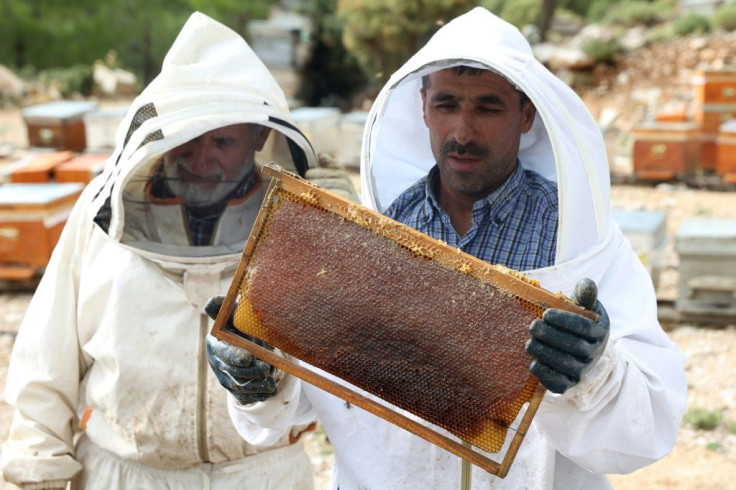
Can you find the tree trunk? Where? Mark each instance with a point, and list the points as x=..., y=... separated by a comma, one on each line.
x=547, y=12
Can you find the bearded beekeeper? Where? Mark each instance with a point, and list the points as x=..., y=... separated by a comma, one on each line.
x=108, y=375
x=474, y=142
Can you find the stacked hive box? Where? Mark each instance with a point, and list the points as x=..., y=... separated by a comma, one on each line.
x=707, y=272
x=646, y=232
x=663, y=149
x=31, y=219
x=82, y=168
x=715, y=104
x=38, y=167
x=726, y=154
x=58, y=124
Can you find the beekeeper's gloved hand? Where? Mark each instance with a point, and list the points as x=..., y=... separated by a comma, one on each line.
x=249, y=379
x=565, y=345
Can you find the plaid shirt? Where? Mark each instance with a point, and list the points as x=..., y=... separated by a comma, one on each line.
x=515, y=226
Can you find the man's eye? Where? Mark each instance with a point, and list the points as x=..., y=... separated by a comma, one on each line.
x=224, y=143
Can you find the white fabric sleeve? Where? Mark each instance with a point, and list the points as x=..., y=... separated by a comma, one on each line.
x=264, y=423
x=626, y=411
x=44, y=372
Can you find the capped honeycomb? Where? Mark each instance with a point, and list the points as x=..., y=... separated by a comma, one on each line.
x=402, y=316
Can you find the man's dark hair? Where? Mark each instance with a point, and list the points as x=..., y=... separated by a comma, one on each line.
x=473, y=72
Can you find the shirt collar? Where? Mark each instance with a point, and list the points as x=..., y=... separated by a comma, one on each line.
x=500, y=199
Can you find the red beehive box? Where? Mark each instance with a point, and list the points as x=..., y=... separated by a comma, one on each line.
x=81, y=169
x=726, y=155
x=39, y=167
x=58, y=124
x=663, y=150
x=31, y=219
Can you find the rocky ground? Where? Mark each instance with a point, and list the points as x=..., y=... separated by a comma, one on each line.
x=648, y=79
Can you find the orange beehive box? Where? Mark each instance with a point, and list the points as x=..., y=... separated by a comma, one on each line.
x=715, y=86
x=57, y=124
x=710, y=116
x=31, y=219
x=708, y=151
x=81, y=169
x=39, y=168
x=664, y=150
x=726, y=154
x=671, y=116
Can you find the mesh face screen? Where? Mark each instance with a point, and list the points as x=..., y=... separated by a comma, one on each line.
x=357, y=297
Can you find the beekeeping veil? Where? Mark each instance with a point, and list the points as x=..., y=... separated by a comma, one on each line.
x=564, y=144
x=210, y=78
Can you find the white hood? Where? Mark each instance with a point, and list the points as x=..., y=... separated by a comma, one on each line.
x=564, y=144
x=210, y=78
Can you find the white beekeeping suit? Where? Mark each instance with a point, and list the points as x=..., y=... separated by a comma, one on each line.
x=111, y=351
x=625, y=412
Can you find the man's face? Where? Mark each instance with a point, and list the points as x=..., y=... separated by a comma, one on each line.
x=204, y=170
x=475, y=123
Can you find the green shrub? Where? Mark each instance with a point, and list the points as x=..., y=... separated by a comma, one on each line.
x=701, y=418
x=691, y=23
x=634, y=13
x=602, y=51
x=75, y=79
x=597, y=10
x=725, y=17
x=714, y=446
x=521, y=12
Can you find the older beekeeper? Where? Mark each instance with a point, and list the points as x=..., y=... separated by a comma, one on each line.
x=475, y=143
x=108, y=375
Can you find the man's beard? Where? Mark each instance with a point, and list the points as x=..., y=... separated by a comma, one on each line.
x=204, y=191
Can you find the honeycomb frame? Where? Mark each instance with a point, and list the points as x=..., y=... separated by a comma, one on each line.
x=479, y=438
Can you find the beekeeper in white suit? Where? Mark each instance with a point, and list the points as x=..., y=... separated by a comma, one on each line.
x=108, y=375
x=474, y=142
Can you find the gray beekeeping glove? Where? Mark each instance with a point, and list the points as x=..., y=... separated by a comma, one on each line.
x=566, y=345
x=249, y=379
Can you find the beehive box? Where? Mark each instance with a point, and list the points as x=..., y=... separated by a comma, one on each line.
x=715, y=86
x=351, y=136
x=31, y=219
x=707, y=251
x=664, y=150
x=414, y=322
x=320, y=126
x=710, y=117
x=100, y=127
x=81, y=169
x=708, y=151
x=58, y=124
x=726, y=154
x=38, y=167
x=646, y=231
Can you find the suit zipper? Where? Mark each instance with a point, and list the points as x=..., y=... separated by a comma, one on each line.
x=204, y=454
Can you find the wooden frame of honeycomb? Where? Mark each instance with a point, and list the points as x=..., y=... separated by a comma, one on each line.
x=415, y=324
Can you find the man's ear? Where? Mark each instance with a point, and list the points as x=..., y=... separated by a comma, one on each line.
x=263, y=133
x=528, y=112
